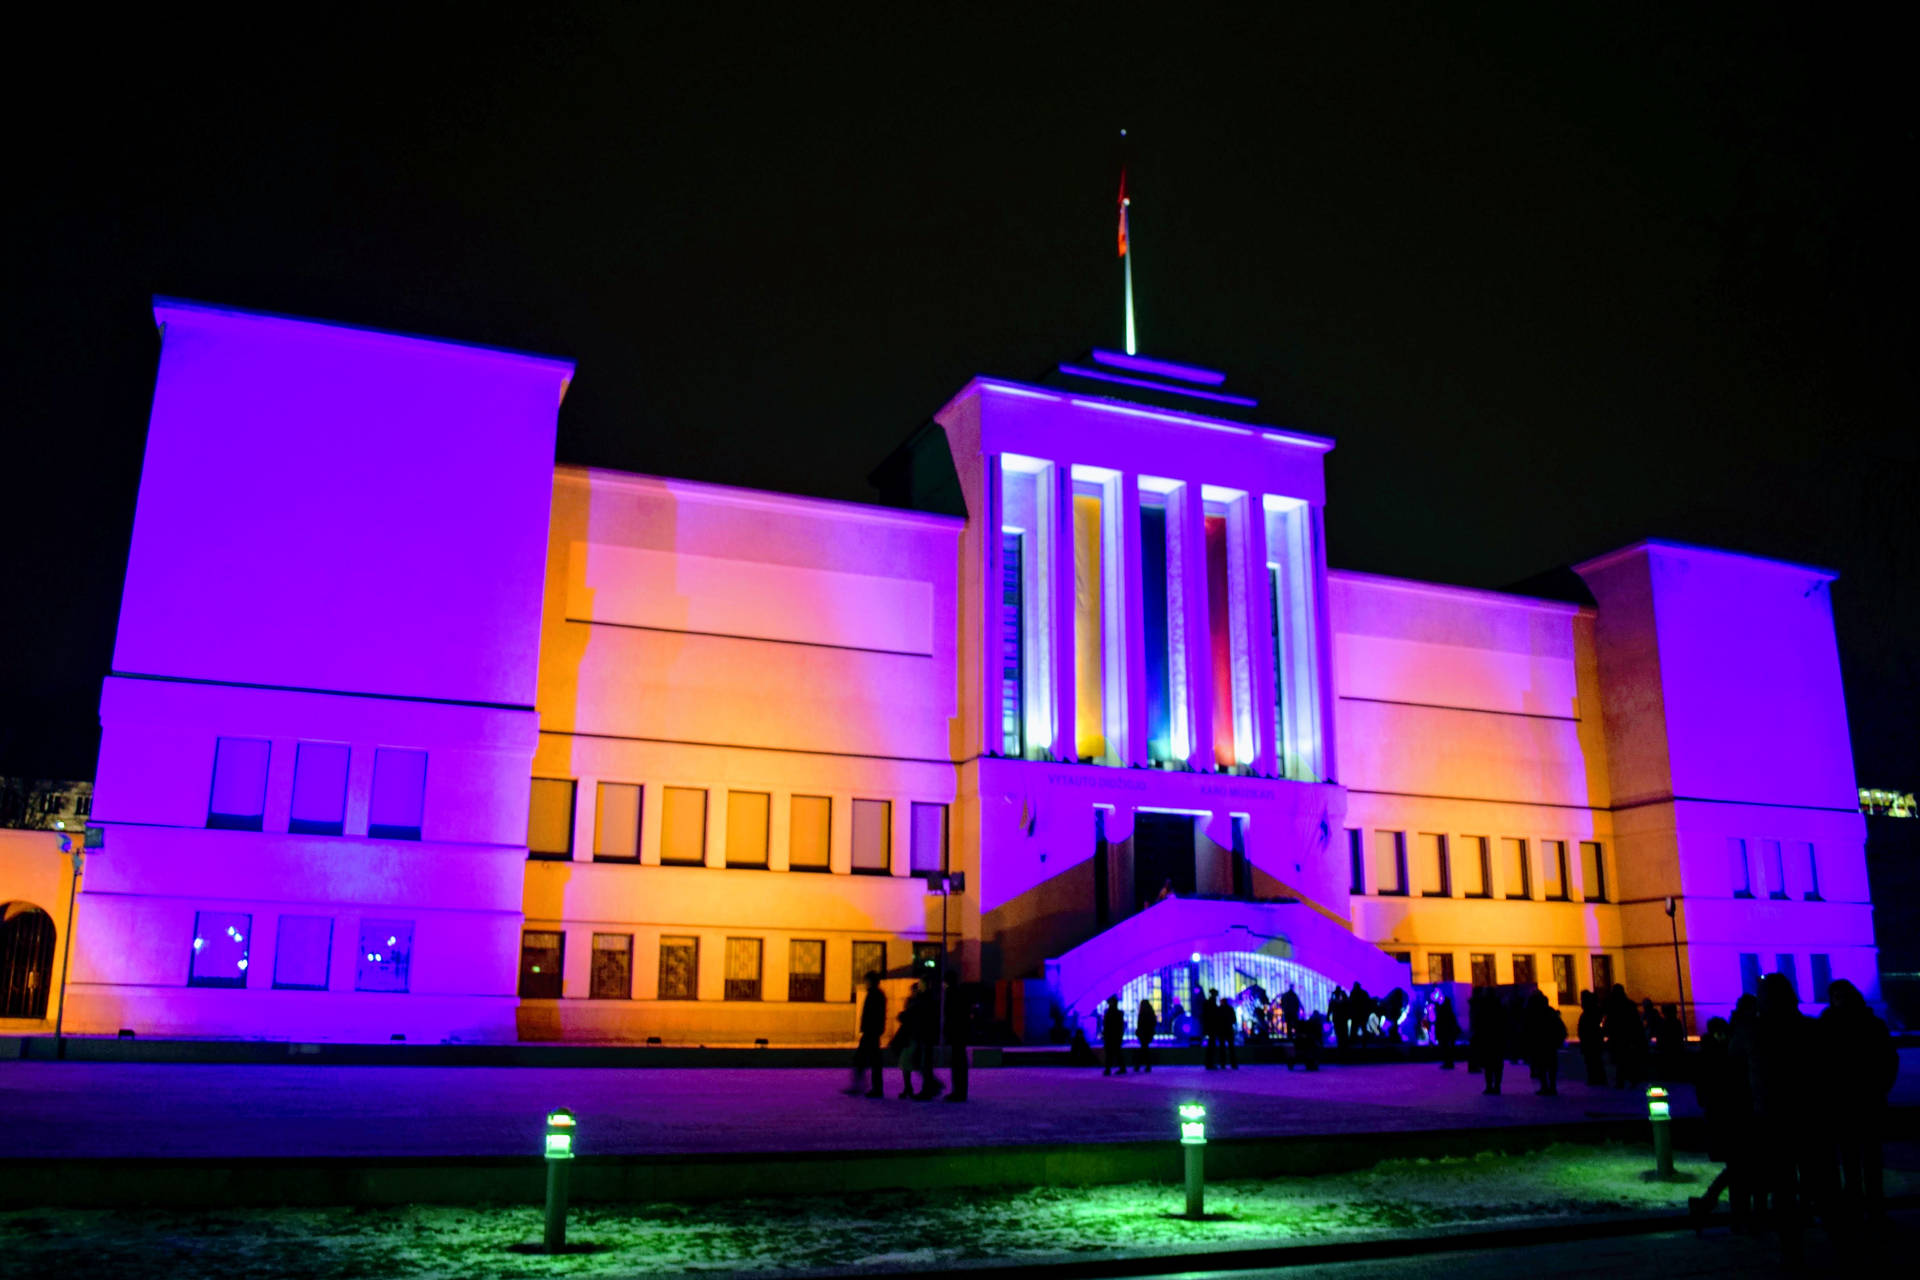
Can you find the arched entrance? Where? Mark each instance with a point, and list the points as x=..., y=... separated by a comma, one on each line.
x=1243, y=979
x=26, y=960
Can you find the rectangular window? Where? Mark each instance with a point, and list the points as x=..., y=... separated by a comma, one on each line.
x=743, y=969
x=1440, y=966
x=1480, y=967
x=399, y=794
x=1155, y=631
x=1089, y=624
x=221, y=940
x=872, y=837
x=1435, y=879
x=809, y=834
x=541, y=952
x=1773, y=867
x=302, y=950
x=616, y=823
x=747, y=814
x=550, y=819
x=1567, y=987
x=683, y=827
x=1784, y=966
x=386, y=952
x=1602, y=971
x=679, y=968
x=1739, y=874
x=926, y=956
x=1553, y=856
x=1220, y=639
x=1356, y=861
x=1513, y=857
x=1809, y=870
x=1822, y=967
x=239, y=799
x=1476, y=864
x=1291, y=576
x=319, y=789
x=1013, y=667
x=1750, y=973
x=1387, y=869
x=612, y=967
x=868, y=957
x=806, y=970
x=1593, y=871
x=927, y=850
x=1523, y=970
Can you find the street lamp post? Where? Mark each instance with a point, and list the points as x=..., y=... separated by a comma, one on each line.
x=89, y=841
x=1679, y=977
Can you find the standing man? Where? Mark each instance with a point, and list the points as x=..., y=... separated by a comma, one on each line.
x=1113, y=1035
x=1289, y=1014
x=959, y=1030
x=1145, y=1024
x=873, y=1024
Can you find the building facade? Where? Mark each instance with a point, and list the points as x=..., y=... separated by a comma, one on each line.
x=412, y=733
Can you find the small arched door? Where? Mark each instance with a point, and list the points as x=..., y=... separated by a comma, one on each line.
x=26, y=961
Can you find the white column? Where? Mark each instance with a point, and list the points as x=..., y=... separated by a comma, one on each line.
x=1260, y=672
x=1198, y=640
x=1133, y=646
x=1060, y=492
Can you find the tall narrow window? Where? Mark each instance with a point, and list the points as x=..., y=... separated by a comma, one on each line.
x=1089, y=625
x=239, y=799
x=1356, y=861
x=1749, y=973
x=612, y=967
x=1783, y=965
x=302, y=950
x=1480, y=965
x=1523, y=974
x=1291, y=565
x=1513, y=857
x=1553, y=858
x=806, y=970
x=679, y=968
x=1822, y=976
x=319, y=789
x=1739, y=874
x=1602, y=970
x=1566, y=986
x=399, y=794
x=1435, y=880
x=1593, y=871
x=743, y=969
x=747, y=828
x=1220, y=640
x=1477, y=861
x=616, y=823
x=872, y=837
x=683, y=827
x=1774, y=868
x=868, y=957
x=221, y=942
x=1154, y=628
x=1013, y=667
x=1809, y=870
x=540, y=955
x=928, y=851
x=809, y=834
x=550, y=819
x=1387, y=869
x=1028, y=510
x=386, y=955
x=1439, y=966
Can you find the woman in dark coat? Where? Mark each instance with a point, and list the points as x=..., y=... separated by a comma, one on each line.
x=1720, y=1086
x=1544, y=1032
x=1145, y=1024
x=1593, y=1046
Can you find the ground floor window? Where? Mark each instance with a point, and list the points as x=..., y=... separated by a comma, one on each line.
x=302, y=951
x=1822, y=968
x=540, y=956
x=1440, y=966
x=1750, y=974
x=1569, y=986
x=26, y=960
x=868, y=957
x=743, y=969
x=926, y=956
x=1602, y=967
x=679, y=968
x=1481, y=965
x=612, y=967
x=1523, y=971
x=221, y=940
x=807, y=970
x=386, y=954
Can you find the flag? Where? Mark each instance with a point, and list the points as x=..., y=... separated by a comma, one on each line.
x=1123, y=211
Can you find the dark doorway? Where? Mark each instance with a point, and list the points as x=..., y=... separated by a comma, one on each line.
x=1162, y=856
x=26, y=961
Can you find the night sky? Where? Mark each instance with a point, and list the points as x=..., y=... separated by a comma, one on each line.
x=1556, y=277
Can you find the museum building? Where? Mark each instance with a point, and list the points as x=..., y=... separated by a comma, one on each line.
x=412, y=733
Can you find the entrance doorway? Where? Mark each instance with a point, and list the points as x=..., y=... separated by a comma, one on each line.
x=1163, y=857
x=26, y=961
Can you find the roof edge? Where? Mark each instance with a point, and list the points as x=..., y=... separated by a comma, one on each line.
x=740, y=495
x=1690, y=548
x=1482, y=594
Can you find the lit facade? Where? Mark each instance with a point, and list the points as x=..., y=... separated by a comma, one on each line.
x=411, y=733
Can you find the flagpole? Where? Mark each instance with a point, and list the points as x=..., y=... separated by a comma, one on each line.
x=1127, y=263
x=1126, y=247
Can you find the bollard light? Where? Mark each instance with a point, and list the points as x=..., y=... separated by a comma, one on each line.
x=1660, y=1114
x=559, y=1152
x=1193, y=1147
x=1657, y=1107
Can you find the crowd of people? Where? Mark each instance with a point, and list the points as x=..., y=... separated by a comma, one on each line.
x=931, y=1018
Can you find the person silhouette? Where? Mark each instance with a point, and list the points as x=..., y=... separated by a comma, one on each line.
x=873, y=1025
x=1289, y=1013
x=1113, y=1036
x=958, y=1028
x=1864, y=1065
x=1145, y=1024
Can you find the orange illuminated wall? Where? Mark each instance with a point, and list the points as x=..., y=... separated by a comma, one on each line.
x=1089, y=714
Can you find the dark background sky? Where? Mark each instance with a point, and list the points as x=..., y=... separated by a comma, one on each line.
x=1556, y=277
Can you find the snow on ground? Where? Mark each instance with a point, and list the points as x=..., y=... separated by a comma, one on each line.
x=890, y=1230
